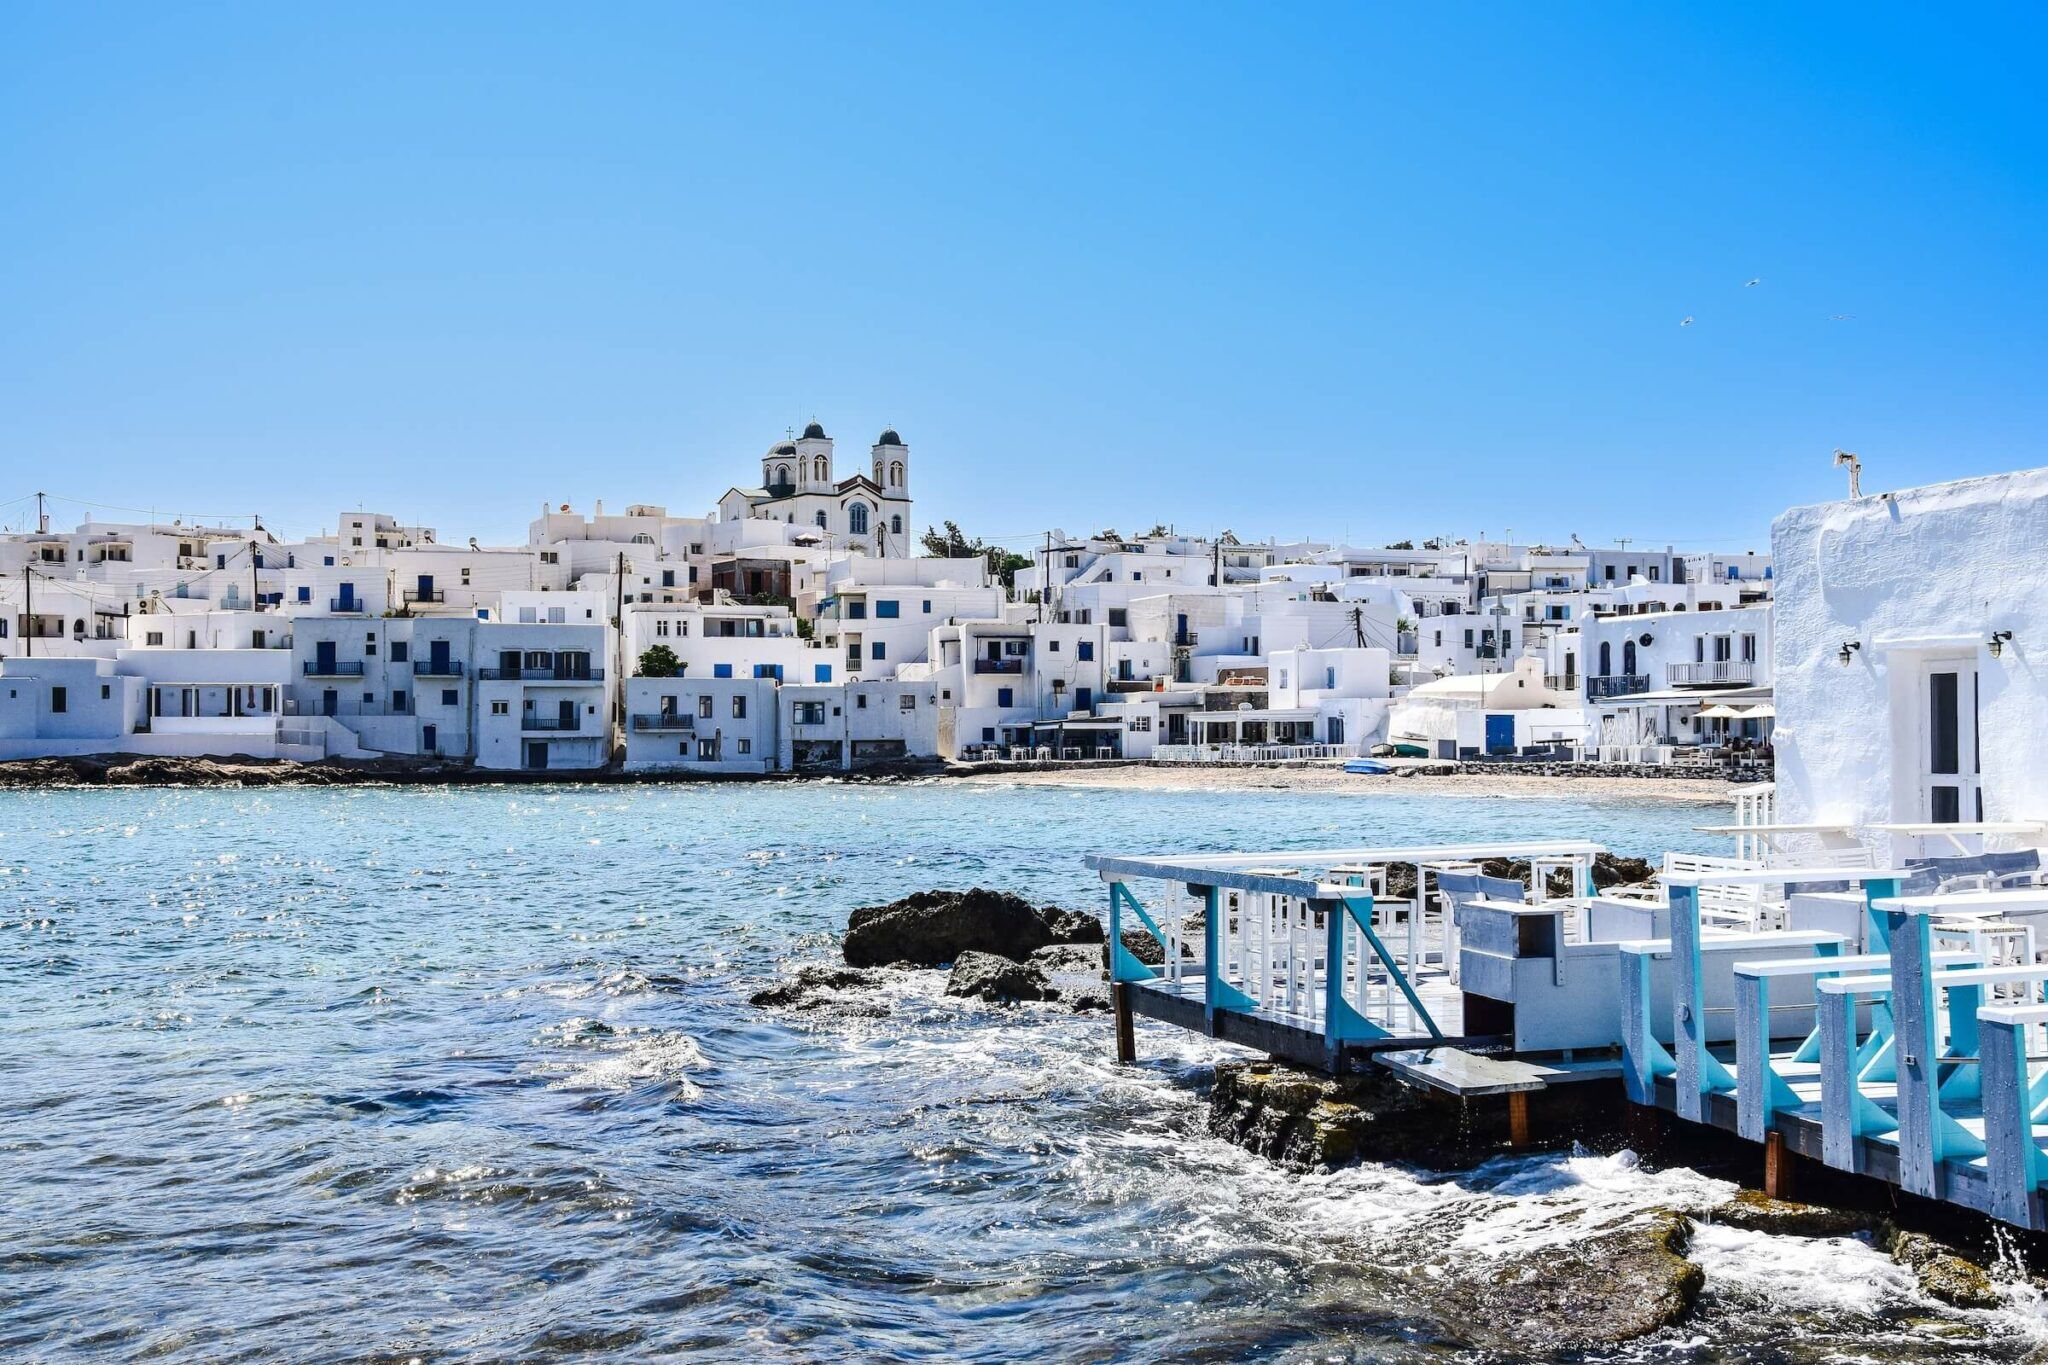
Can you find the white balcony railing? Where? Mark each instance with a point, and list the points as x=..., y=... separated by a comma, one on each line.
x=1724, y=672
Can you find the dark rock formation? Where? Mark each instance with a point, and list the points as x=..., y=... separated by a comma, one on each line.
x=809, y=981
x=1608, y=870
x=932, y=928
x=998, y=980
x=1074, y=958
x=1942, y=1274
x=1756, y=1212
x=1077, y=972
x=1310, y=1122
x=1613, y=1285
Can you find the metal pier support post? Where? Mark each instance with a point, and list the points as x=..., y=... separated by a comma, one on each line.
x=1126, y=1034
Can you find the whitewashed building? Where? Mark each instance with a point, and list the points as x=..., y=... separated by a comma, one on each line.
x=1909, y=632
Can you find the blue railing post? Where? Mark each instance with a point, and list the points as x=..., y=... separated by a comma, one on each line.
x=1928, y=1136
x=1217, y=994
x=1644, y=1059
x=1699, y=1073
x=2012, y=1156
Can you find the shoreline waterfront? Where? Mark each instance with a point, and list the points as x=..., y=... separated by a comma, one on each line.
x=289, y=1054
x=144, y=770
x=1334, y=781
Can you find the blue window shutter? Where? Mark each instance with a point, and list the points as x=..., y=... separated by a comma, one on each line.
x=886, y=611
x=878, y=650
x=721, y=670
x=821, y=673
x=1005, y=697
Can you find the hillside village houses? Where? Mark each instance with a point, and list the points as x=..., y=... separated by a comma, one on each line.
x=799, y=627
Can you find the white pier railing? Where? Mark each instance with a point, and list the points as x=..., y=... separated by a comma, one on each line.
x=1251, y=753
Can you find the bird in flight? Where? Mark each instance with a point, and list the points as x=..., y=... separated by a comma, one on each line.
x=1753, y=283
x=1840, y=317
x=1687, y=322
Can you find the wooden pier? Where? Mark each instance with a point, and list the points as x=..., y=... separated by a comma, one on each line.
x=1907, y=1047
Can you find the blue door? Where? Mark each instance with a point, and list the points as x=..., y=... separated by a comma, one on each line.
x=1500, y=734
x=323, y=657
x=426, y=590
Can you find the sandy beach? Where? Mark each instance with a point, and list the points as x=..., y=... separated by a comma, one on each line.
x=1332, y=778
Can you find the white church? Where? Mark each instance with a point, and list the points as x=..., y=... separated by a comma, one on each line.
x=799, y=487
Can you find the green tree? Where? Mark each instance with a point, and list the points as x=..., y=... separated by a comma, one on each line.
x=1402, y=545
x=660, y=662
x=953, y=543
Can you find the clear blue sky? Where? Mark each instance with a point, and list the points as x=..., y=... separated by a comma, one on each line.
x=1343, y=271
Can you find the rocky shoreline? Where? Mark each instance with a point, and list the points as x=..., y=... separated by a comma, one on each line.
x=243, y=770
x=1609, y=1280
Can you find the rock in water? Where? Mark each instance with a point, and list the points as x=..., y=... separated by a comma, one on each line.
x=1077, y=973
x=1611, y=1286
x=932, y=928
x=827, y=990
x=1069, y=957
x=1314, y=1123
x=1942, y=1274
x=1756, y=1212
x=998, y=980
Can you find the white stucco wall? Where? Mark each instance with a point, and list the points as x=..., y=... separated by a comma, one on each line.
x=1928, y=571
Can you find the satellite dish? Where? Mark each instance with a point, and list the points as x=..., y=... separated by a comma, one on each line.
x=1646, y=639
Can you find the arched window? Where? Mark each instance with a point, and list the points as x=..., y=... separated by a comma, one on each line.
x=781, y=474
x=896, y=472
x=818, y=468
x=895, y=526
x=1628, y=657
x=1606, y=658
x=821, y=520
x=857, y=519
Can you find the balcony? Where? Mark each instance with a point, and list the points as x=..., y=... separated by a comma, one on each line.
x=1617, y=685
x=1186, y=639
x=332, y=668
x=592, y=675
x=1132, y=685
x=1713, y=673
x=550, y=723
x=414, y=596
x=664, y=723
x=345, y=606
x=427, y=668
x=999, y=665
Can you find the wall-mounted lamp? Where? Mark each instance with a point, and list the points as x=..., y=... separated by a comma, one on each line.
x=1847, y=652
x=1998, y=639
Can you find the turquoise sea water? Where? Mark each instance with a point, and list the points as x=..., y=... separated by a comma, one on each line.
x=471, y=1073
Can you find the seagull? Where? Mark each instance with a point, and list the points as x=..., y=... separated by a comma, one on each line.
x=1687, y=322
x=1753, y=284
x=1840, y=317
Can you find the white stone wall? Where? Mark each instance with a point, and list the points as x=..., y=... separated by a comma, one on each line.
x=1926, y=573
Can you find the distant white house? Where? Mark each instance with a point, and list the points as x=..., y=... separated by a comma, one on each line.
x=1468, y=715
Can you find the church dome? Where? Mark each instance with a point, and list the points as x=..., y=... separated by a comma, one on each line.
x=889, y=438
x=782, y=448
x=814, y=432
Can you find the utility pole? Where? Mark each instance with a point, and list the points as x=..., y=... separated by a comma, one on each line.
x=1842, y=457
x=255, y=590
x=42, y=517
x=1358, y=627
x=28, y=610
x=618, y=647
